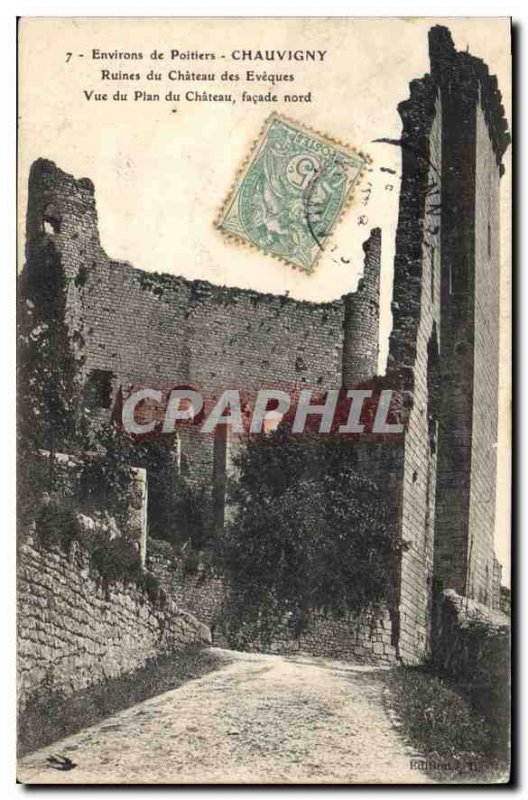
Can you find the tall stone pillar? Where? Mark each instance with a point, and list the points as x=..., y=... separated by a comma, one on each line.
x=361, y=336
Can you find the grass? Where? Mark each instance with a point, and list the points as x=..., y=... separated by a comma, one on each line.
x=439, y=722
x=50, y=716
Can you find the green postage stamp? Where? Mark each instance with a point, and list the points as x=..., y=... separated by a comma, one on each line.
x=291, y=192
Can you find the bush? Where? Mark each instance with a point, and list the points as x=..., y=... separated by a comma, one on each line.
x=308, y=534
x=471, y=646
x=116, y=559
x=56, y=521
x=179, y=511
x=106, y=476
x=193, y=515
x=150, y=584
x=161, y=548
x=440, y=722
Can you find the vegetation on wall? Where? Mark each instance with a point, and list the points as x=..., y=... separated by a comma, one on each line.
x=307, y=534
x=179, y=511
x=84, y=496
x=58, y=523
x=48, y=394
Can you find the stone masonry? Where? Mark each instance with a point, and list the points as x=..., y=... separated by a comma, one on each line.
x=135, y=327
x=365, y=637
x=74, y=633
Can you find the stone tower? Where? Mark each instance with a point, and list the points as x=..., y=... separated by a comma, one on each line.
x=474, y=138
x=443, y=349
x=361, y=326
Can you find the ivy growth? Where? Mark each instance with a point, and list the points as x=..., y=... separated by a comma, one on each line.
x=308, y=534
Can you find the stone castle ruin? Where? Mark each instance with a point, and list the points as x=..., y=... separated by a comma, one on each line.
x=132, y=327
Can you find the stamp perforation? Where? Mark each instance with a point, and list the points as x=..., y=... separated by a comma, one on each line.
x=257, y=144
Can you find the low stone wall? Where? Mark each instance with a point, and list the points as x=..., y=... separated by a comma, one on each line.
x=75, y=632
x=68, y=467
x=471, y=645
x=193, y=591
x=362, y=637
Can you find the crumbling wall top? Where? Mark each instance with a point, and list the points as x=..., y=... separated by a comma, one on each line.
x=469, y=74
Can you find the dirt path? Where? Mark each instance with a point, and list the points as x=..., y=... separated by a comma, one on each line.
x=259, y=719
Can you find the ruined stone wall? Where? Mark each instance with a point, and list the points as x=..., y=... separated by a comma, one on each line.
x=419, y=472
x=194, y=591
x=135, y=327
x=210, y=337
x=457, y=374
x=472, y=649
x=486, y=367
x=365, y=637
x=73, y=633
x=131, y=327
x=412, y=359
x=444, y=340
x=474, y=140
x=361, y=340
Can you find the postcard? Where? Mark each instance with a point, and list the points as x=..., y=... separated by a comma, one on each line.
x=264, y=293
